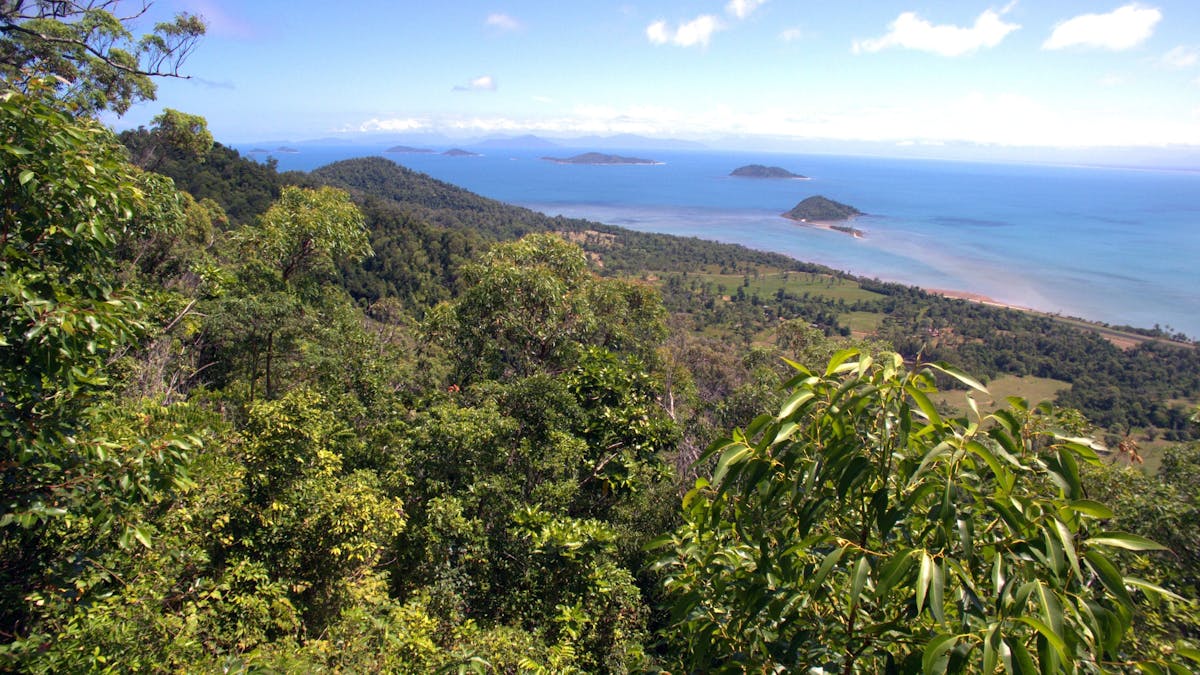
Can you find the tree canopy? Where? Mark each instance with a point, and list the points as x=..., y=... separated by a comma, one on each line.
x=87, y=49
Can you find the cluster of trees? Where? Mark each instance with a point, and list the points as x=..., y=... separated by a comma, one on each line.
x=333, y=422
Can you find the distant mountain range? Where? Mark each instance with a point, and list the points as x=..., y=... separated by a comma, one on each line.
x=417, y=142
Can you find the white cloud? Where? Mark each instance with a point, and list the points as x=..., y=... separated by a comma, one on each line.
x=1112, y=80
x=698, y=31
x=393, y=124
x=481, y=83
x=503, y=21
x=657, y=33
x=1001, y=119
x=1181, y=57
x=910, y=31
x=743, y=8
x=1123, y=28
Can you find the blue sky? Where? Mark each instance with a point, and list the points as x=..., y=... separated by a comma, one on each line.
x=1067, y=73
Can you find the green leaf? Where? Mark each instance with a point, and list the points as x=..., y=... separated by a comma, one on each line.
x=1051, y=607
x=1091, y=508
x=1021, y=663
x=1188, y=652
x=1055, y=640
x=892, y=571
x=937, y=590
x=1109, y=576
x=25, y=176
x=142, y=534
x=923, y=578
x=958, y=375
x=924, y=404
x=1129, y=542
x=826, y=566
x=736, y=453
x=990, y=642
x=860, y=580
x=835, y=363
x=1068, y=546
x=937, y=654
x=797, y=399
x=658, y=542
x=1148, y=587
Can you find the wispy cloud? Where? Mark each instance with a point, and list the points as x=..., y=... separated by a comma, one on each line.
x=1180, y=57
x=697, y=32
x=792, y=34
x=503, y=22
x=1123, y=28
x=910, y=31
x=1112, y=80
x=213, y=84
x=221, y=22
x=481, y=83
x=743, y=8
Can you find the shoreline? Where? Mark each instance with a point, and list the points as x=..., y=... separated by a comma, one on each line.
x=977, y=297
x=832, y=226
x=1123, y=339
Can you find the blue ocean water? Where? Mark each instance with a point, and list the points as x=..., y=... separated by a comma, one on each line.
x=1106, y=244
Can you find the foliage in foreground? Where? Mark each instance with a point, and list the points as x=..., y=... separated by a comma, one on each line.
x=857, y=530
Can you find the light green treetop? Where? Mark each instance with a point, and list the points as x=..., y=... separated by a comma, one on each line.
x=86, y=46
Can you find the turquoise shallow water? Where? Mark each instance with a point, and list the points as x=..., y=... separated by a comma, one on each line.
x=1114, y=245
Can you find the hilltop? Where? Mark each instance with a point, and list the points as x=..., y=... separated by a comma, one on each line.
x=821, y=209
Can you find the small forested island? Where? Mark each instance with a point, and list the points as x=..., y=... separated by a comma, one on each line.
x=284, y=148
x=408, y=150
x=599, y=158
x=459, y=152
x=821, y=209
x=763, y=171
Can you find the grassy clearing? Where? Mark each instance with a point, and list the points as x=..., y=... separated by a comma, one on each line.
x=768, y=283
x=1032, y=389
x=861, y=322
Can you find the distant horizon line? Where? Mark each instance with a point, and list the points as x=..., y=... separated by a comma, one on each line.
x=1181, y=157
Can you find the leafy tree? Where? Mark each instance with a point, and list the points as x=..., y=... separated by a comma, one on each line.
x=858, y=530
x=68, y=194
x=277, y=297
x=307, y=231
x=532, y=305
x=175, y=134
x=86, y=47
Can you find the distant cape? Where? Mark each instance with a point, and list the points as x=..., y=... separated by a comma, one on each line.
x=599, y=158
x=407, y=149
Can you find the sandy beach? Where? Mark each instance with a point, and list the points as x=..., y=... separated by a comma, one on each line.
x=832, y=225
x=976, y=297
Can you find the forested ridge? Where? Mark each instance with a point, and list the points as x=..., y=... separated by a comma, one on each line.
x=360, y=420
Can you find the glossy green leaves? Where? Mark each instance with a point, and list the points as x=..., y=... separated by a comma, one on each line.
x=860, y=529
